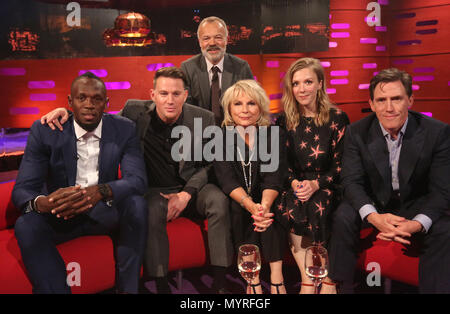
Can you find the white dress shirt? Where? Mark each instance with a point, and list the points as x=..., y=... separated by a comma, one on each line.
x=394, y=148
x=209, y=66
x=88, y=149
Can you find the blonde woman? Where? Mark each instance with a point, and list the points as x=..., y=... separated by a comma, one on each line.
x=251, y=190
x=314, y=144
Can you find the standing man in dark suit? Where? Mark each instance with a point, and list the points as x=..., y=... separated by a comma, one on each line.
x=68, y=187
x=210, y=73
x=396, y=177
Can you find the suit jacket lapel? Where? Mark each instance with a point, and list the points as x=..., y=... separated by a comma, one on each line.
x=204, y=83
x=379, y=151
x=142, y=123
x=70, y=152
x=108, y=137
x=187, y=119
x=227, y=75
x=412, y=144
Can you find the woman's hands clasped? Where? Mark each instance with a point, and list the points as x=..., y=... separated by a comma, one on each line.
x=304, y=189
x=262, y=217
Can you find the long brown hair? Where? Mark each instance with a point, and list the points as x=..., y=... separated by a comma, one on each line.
x=293, y=111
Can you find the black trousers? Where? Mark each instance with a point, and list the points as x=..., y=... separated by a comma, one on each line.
x=434, y=259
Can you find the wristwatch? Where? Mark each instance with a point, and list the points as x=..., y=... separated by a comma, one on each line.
x=105, y=192
x=31, y=206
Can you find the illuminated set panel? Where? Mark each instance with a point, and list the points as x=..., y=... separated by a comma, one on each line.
x=339, y=73
x=98, y=72
x=272, y=64
x=12, y=71
x=157, y=66
x=117, y=85
x=43, y=97
x=346, y=53
x=41, y=84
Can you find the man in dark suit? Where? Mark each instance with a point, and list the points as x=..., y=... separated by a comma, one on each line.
x=210, y=73
x=178, y=187
x=68, y=187
x=396, y=170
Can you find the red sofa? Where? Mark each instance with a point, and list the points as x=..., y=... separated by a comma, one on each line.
x=188, y=248
x=94, y=254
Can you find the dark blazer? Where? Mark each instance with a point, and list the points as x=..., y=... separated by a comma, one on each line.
x=50, y=160
x=424, y=166
x=234, y=69
x=195, y=173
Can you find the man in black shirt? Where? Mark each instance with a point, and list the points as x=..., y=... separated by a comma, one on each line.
x=177, y=188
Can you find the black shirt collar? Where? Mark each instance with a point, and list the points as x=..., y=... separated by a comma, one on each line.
x=160, y=124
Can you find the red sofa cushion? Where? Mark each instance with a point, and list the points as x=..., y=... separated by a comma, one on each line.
x=97, y=275
x=8, y=213
x=187, y=243
x=397, y=261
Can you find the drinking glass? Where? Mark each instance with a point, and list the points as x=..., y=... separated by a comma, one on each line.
x=249, y=263
x=316, y=264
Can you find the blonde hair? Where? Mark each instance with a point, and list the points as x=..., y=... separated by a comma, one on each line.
x=293, y=111
x=253, y=90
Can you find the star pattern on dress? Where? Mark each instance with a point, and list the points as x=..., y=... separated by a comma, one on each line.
x=316, y=152
x=341, y=133
x=288, y=213
x=320, y=208
x=319, y=243
x=313, y=150
x=303, y=145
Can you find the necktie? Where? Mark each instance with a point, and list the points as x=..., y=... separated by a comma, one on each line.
x=215, y=96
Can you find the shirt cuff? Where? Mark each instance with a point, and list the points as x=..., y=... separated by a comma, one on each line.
x=191, y=190
x=424, y=220
x=366, y=210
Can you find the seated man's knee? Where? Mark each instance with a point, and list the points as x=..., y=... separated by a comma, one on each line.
x=217, y=202
x=135, y=208
x=28, y=227
x=344, y=216
x=156, y=211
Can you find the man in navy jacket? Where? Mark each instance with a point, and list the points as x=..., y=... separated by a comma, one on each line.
x=68, y=187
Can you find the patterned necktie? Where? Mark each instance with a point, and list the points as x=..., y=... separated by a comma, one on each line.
x=215, y=96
